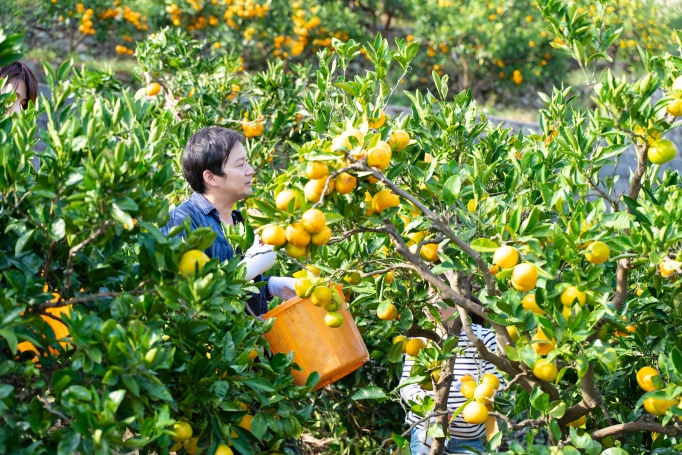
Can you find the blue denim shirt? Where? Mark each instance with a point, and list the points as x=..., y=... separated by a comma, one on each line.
x=203, y=214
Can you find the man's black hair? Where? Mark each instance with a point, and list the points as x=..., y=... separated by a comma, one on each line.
x=207, y=150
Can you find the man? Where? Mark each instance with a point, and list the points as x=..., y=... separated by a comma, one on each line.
x=216, y=167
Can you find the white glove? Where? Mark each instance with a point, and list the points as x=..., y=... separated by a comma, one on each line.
x=258, y=259
x=282, y=287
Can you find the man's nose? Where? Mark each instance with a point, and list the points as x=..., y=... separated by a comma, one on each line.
x=249, y=169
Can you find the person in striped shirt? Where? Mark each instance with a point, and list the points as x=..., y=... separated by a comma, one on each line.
x=465, y=438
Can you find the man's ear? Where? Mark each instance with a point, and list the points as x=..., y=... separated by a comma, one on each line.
x=209, y=179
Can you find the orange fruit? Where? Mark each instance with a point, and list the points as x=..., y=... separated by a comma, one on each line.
x=429, y=252
x=223, y=450
x=303, y=287
x=475, y=413
x=356, y=133
x=333, y=319
x=274, y=235
x=513, y=333
x=191, y=446
x=297, y=234
x=571, y=294
x=529, y=303
x=321, y=296
x=313, y=221
x=182, y=431
x=378, y=157
x=675, y=108
x=399, y=140
x=506, y=257
x=644, y=378
x=368, y=204
x=283, y=198
x=345, y=183
x=320, y=183
x=666, y=270
x=316, y=170
x=294, y=251
x=491, y=379
x=597, y=252
x=467, y=378
x=377, y=122
x=353, y=278
x=578, y=422
x=253, y=354
x=484, y=393
x=389, y=277
x=246, y=422
x=252, y=129
x=662, y=151
x=467, y=389
x=524, y=277
x=322, y=237
x=413, y=347
x=191, y=260
x=658, y=406
x=542, y=348
x=387, y=312
x=402, y=339
x=545, y=371
x=310, y=191
x=153, y=89
x=383, y=200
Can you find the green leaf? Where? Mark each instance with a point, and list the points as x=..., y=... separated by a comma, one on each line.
x=259, y=425
x=484, y=245
x=18, y=248
x=539, y=399
x=369, y=393
x=451, y=190
x=259, y=384
x=11, y=338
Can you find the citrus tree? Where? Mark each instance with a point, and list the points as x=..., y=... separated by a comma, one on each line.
x=422, y=212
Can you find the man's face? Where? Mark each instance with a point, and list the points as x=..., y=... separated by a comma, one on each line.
x=19, y=87
x=236, y=183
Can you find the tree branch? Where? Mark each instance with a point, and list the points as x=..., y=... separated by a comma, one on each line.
x=529, y=423
x=74, y=251
x=636, y=427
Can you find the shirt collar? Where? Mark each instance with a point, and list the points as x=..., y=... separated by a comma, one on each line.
x=203, y=204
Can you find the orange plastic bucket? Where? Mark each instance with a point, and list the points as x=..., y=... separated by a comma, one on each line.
x=332, y=352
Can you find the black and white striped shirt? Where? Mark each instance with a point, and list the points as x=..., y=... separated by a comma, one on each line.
x=468, y=363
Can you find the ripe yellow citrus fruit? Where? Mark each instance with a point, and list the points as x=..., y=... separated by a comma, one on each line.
x=274, y=235
x=310, y=191
x=402, y=339
x=399, y=140
x=467, y=389
x=341, y=143
x=345, y=183
x=597, y=252
x=545, y=370
x=294, y=251
x=313, y=221
x=353, y=278
x=252, y=129
x=378, y=157
x=356, y=133
x=666, y=269
x=191, y=260
x=578, y=422
x=321, y=296
x=315, y=170
x=467, y=378
x=416, y=237
x=283, y=198
x=484, y=392
x=566, y=312
x=297, y=234
x=389, y=277
x=513, y=333
x=675, y=108
x=644, y=378
x=542, y=348
x=427, y=385
x=492, y=380
x=153, y=89
x=387, y=312
x=182, y=431
x=253, y=354
x=413, y=347
x=524, y=277
x=246, y=422
x=658, y=406
x=571, y=294
x=506, y=257
x=223, y=450
x=529, y=303
x=333, y=319
x=377, y=122
x=383, y=200
x=303, y=287
x=475, y=413
x=471, y=205
x=429, y=252
x=176, y=447
x=319, y=185
x=435, y=374
x=322, y=237
x=662, y=151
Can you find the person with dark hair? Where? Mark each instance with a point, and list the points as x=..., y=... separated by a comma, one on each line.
x=216, y=167
x=21, y=79
x=464, y=438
